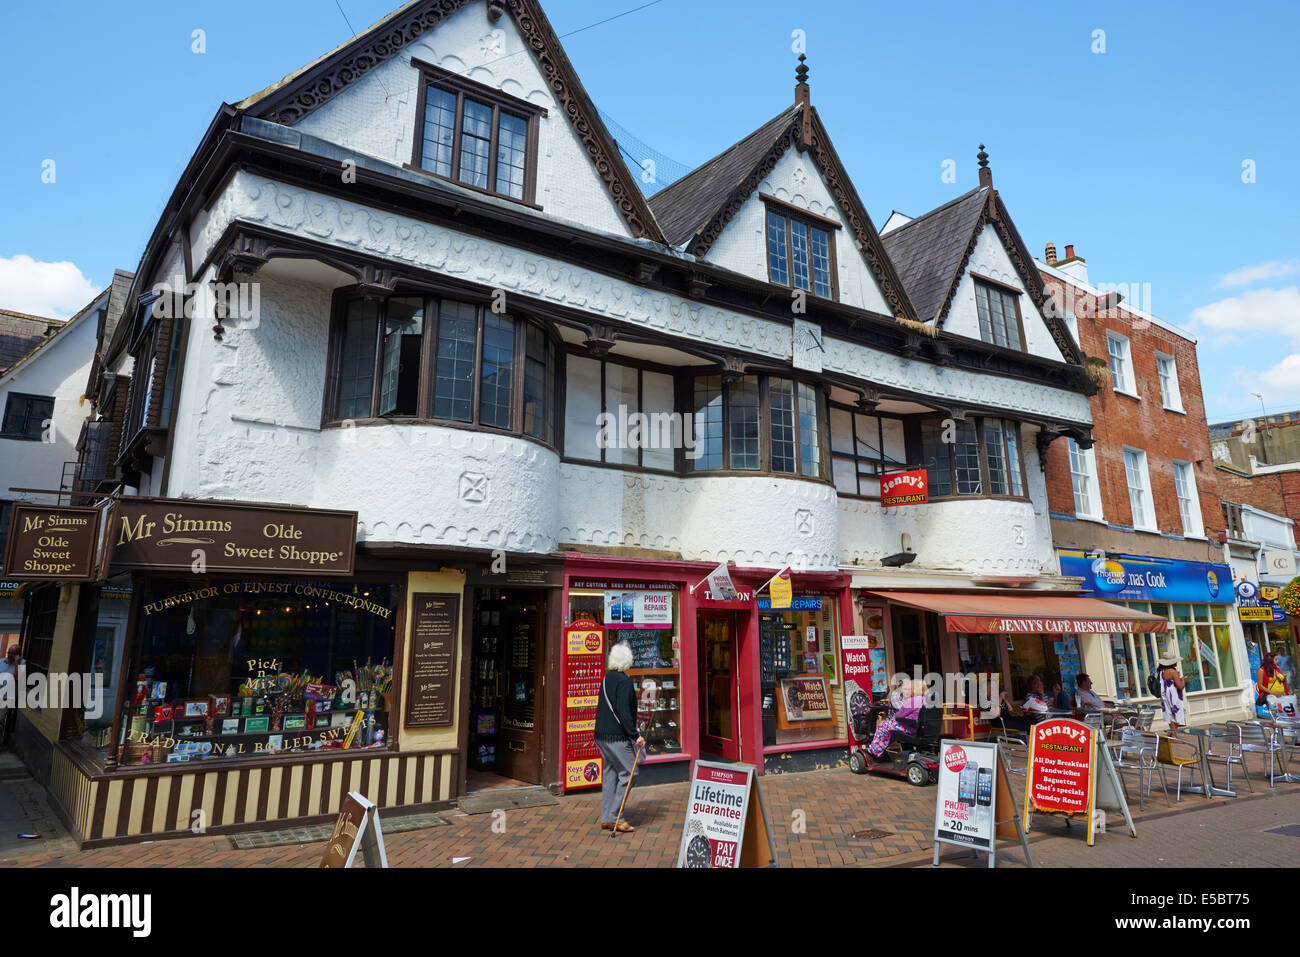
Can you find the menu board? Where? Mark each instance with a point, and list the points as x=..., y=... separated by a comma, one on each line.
x=647, y=650
x=430, y=690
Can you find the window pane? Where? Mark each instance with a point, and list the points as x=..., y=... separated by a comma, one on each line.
x=399, y=376
x=782, y=396
x=708, y=422
x=1080, y=480
x=657, y=398
x=621, y=402
x=512, y=153
x=439, y=131
x=453, y=391
x=997, y=457
x=799, y=254
x=1133, y=468
x=982, y=307
x=821, y=261
x=496, y=391
x=1223, y=647
x=845, y=475
x=1209, y=659
x=173, y=361
x=841, y=430
x=357, y=360
x=742, y=412
x=894, y=441
x=934, y=455
x=1012, y=431
x=582, y=408
x=475, y=143
x=1191, y=668
x=537, y=392
x=809, y=441
x=966, y=458
x=777, y=268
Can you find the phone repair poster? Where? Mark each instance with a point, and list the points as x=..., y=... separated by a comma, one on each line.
x=967, y=783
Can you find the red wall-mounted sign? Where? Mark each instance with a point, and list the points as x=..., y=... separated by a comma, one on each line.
x=904, y=488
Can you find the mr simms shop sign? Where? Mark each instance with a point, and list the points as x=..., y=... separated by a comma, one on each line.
x=167, y=533
x=52, y=544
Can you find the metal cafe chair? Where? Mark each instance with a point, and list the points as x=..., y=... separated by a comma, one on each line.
x=1225, y=746
x=1146, y=714
x=1174, y=752
x=1136, y=751
x=1262, y=739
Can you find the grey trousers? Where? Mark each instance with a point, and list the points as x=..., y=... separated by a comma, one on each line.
x=619, y=756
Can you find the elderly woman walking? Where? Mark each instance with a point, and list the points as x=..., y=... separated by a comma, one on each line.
x=617, y=736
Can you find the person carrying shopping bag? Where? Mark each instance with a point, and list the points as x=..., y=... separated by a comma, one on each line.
x=617, y=737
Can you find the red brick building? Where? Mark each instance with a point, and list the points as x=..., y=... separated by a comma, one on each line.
x=1273, y=489
x=1137, y=515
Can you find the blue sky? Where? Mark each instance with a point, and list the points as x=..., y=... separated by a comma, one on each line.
x=1134, y=155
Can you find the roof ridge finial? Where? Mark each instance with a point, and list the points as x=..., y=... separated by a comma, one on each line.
x=986, y=174
x=802, y=93
x=801, y=71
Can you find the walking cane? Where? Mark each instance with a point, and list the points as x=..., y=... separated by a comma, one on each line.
x=626, y=792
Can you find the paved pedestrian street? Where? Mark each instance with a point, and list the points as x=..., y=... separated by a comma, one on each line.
x=825, y=818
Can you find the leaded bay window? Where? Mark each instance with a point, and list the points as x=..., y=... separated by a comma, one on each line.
x=608, y=394
x=476, y=135
x=863, y=446
x=757, y=423
x=977, y=457
x=409, y=357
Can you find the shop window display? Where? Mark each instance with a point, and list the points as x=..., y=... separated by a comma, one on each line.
x=799, y=656
x=250, y=668
x=648, y=620
x=1198, y=634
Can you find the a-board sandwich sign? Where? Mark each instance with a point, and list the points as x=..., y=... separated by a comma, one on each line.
x=1071, y=772
x=726, y=823
x=967, y=784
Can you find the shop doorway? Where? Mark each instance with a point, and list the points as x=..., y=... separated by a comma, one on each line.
x=507, y=697
x=912, y=642
x=719, y=686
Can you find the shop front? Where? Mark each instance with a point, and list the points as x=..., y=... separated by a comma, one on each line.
x=722, y=677
x=1196, y=599
x=974, y=638
x=264, y=670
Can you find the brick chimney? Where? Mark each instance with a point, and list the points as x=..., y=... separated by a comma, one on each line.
x=1076, y=267
x=1049, y=256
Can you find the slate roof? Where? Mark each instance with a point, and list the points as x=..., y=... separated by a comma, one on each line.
x=928, y=251
x=686, y=206
x=20, y=333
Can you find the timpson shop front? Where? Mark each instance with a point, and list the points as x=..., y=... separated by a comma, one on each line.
x=732, y=680
x=258, y=685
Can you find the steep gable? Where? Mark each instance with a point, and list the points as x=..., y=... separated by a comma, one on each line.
x=941, y=253
x=364, y=96
x=717, y=212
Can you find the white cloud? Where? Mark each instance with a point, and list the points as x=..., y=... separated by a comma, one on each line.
x=1269, y=270
x=52, y=290
x=1281, y=384
x=1270, y=311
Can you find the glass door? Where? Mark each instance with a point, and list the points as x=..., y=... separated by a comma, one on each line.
x=719, y=687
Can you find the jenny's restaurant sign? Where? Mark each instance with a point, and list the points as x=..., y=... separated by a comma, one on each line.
x=988, y=625
x=52, y=544
x=174, y=534
x=904, y=488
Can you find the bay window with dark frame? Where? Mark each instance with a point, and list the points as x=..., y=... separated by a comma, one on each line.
x=977, y=457
x=617, y=390
x=758, y=423
x=864, y=445
x=800, y=249
x=412, y=357
x=475, y=135
x=155, y=345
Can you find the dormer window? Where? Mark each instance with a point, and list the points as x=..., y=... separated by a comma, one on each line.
x=800, y=249
x=475, y=135
x=999, y=312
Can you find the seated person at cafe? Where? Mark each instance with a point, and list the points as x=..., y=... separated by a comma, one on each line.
x=1061, y=698
x=1085, y=698
x=904, y=719
x=1036, y=707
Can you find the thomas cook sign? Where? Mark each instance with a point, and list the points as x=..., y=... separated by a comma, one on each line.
x=176, y=534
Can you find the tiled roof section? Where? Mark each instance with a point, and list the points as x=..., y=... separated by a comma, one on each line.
x=928, y=251
x=117, y=295
x=686, y=206
x=20, y=333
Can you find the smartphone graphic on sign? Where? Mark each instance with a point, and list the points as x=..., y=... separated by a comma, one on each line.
x=966, y=784
x=984, y=789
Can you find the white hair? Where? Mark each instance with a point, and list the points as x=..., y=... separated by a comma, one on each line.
x=620, y=657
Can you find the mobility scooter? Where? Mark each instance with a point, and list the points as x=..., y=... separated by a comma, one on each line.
x=911, y=754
